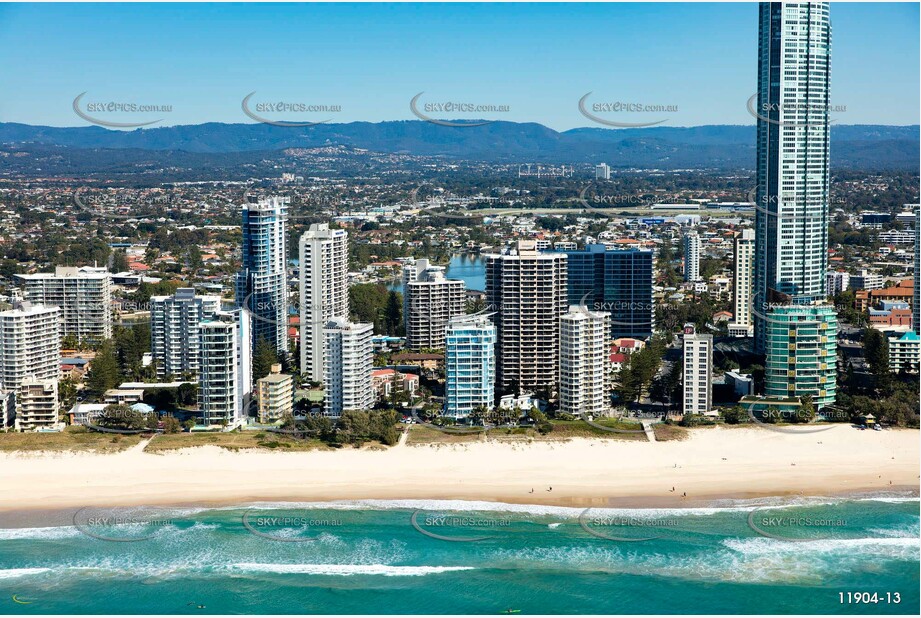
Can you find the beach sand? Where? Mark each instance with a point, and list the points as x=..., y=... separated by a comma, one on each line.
x=714, y=463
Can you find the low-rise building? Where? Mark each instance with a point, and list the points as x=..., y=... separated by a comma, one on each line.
x=275, y=395
x=36, y=404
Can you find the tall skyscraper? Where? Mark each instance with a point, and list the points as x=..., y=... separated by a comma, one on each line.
x=82, y=294
x=174, y=330
x=528, y=292
x=30, y=344
x=916, y=301
x=430, y=300
x=347, y=366
x=791, y=219
x=698, y=372
x=324, y=291
x=262, y=284
x=691, y=256
x=470, y=365
x=584, y=362
x=225, y=372
x=742, y=279
x=617, y=282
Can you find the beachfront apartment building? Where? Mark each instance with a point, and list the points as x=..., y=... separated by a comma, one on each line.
x=225, y=368
x=584, y=362
x=174, y=331
x=30, y=344
x=470, y=365
x=347, y=365
x=324, y=292
x=262, y=283
x=84, y=296
x=801, y=359
x=275, y=395
x=742, y=281
x=430, y=300
x=618, y=282
x=697, y=372
x=36, y=404
x=691, y=256
x=904, y=352
x=527, y=291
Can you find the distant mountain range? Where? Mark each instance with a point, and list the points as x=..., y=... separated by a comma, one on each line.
x=866, y=147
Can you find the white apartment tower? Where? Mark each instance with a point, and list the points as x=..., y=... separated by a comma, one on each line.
x=174, y=330
x=792, y=110
x=584, y=362
x=30, y=344
x=347, y=367
x=691, y=256
x=430, y=301
x=698, y=371
x=83, y=295
x=527, y=290
x=743, y=255
x=602, y=172
x=324, y=291
x=225, y=372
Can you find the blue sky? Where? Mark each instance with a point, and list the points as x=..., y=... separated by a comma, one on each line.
x=371, y=59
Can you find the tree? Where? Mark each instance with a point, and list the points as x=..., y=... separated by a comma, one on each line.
x=393, y=315
x=189, y=424
x=104, y=373
x=735, y=415
x=876, y=351
x=264, y=356
x=171, y=424
x=806, y=412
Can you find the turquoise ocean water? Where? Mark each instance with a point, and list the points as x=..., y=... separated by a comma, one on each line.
x=440, y=557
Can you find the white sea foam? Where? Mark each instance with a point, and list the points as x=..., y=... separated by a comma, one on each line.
x=51, y=532
x=11, y=573
x=346, y=569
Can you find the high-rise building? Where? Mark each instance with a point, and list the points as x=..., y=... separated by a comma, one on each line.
x=691, y=256
x=275, y=395
x=904, y=352
x=916, y=301
x=83, y=295
x=262, y=283
x=836, y=282
x=617, y=282
x=36, y=404
x=430, y=300
x=225, y=372
x=743, y=277
x=698, y=372
x=347, y=366
x=602, y=172
x=584, y=362
x=174, y=330
x=324, y=291
x=470, y=365
x=527, y=290
x=792, y=108
x=30, y=344
x=801, y=353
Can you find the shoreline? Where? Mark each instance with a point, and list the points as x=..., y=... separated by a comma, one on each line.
x=719, y=464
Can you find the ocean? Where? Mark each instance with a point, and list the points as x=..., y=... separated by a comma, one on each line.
x=800, y=555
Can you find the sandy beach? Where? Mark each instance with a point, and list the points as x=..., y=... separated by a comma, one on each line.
x=712, y=464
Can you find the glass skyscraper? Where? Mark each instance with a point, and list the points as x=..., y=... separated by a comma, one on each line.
x=792, y=110
x=617, y=282
x=262, y=283
x=470, y=365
